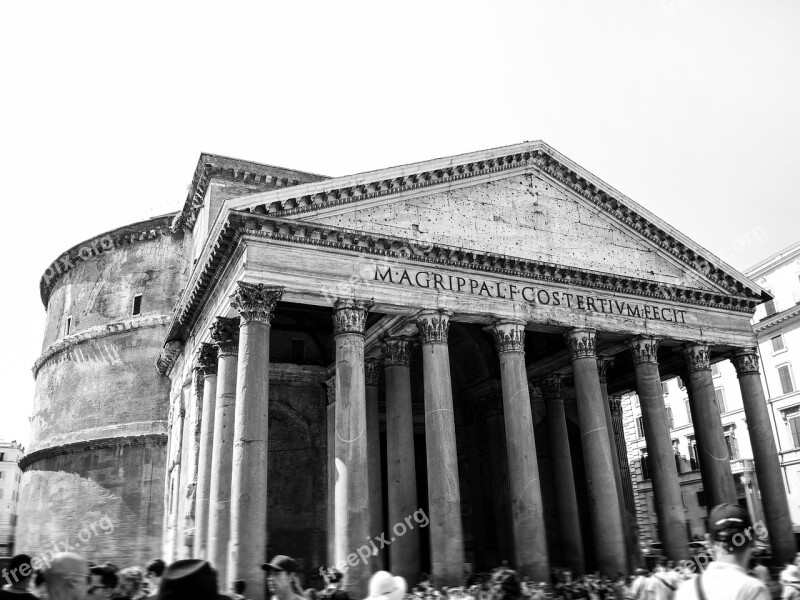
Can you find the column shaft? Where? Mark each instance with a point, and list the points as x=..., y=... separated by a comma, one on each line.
x=715, y=464
x=248, y=541
x=331, y=431
x=569, y=524
x=372, y=369
x=400, y=465
x=527, y=511
x=765, y=455
x=208, y=366
x=444, y=496
x=353, y=514
x=225, y=333
x=605, y=514
x=660, y=454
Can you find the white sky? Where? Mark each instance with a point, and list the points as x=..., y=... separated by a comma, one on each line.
x=690, y=107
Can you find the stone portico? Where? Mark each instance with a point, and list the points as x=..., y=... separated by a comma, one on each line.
x=473, y=318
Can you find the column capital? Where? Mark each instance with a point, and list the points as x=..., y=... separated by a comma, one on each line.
x=207, y=359
x=225, y=333
x=508, y=334
x=603, y=364
x=255, y=301
x=350, y=316
x=580, y=343
x=397, y=351
x=551, y=386
x=372, y=370
x=433, y=325
x=698, y=358
x=644, y=349
x=745, y=361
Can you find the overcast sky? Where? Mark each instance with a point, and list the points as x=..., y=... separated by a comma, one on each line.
x=690, y=107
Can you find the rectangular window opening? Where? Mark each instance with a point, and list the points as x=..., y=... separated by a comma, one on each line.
x=785, y=375
x=777, y=343
x=68, y=326
x=720, y=394
x=137, y=304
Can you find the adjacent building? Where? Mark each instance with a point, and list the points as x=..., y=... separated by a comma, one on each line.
x=776, y=324
x=10, y=455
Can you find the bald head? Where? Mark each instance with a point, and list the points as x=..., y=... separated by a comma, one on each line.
x=68, y=577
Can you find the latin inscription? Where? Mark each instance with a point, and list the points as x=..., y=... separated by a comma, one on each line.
x=528, y=293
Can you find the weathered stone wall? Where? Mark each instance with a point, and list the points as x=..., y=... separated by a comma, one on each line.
x=98, y=431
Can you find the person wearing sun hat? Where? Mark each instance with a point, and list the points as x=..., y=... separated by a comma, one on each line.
x=189, y=579
x=383, y=586
x=733, y=540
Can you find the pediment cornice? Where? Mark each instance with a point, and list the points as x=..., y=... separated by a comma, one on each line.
x=240, y=224
x=320, y=197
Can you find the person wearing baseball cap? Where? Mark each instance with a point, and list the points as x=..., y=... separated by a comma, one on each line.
x=282, y=578
x=382, y=586
x=732, y=538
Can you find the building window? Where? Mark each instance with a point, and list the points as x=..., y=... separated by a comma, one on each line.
x=298, y=351
x=68, y=325
x=777, y=344
x=683, y=500
x=785, y=375
x=639, y=427
x=2, y=474
x=645, y=464
x=664, y=388
x=681, y=385
x=733, y=446
x=669, y=416
x=720, y=394
x=137, y=305
x=769, y=306
x=694, y=457
x=2, y=456
x=715, y=370
x=793, y=421
x=688, y=411
x=701, y=497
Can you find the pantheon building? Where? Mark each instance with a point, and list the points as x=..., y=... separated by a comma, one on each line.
x=416, y=369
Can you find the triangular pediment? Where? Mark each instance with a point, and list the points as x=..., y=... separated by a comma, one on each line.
x=524, y=201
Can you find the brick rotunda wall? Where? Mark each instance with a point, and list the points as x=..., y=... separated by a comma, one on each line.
x=94, y=475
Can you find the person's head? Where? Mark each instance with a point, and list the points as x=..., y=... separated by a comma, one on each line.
x=68, y=577
x=104, y=580
x=731, y=533
x=505, y=585
x=131, y=582
x=190, y=578
x=335, y=578
x=239, y=586
x=155, y=569
x=383, y=586
x=19, y=572
x=281, y=578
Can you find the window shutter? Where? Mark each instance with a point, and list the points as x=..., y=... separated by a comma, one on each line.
x=786, y=379
x=777, y=343
x=794, y=429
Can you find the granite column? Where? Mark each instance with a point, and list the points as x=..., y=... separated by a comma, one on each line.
x=765, y=455
x=444, y=496
x=207, y=361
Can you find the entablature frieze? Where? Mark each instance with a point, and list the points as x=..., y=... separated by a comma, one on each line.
x=604, y=289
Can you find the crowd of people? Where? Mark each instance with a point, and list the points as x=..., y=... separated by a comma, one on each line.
x=68, y=576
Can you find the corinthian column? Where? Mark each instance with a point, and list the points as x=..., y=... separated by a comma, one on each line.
x=606, y=516
x=207, y=361
x=569, y=524
x=248, y=546
x=768, y=469
x=715, y=464
x=660, y=454
x=353, y=509
x=444, y=497
x=527, y=513
x=372, y=369
x=225, y=333
x=400, y=467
